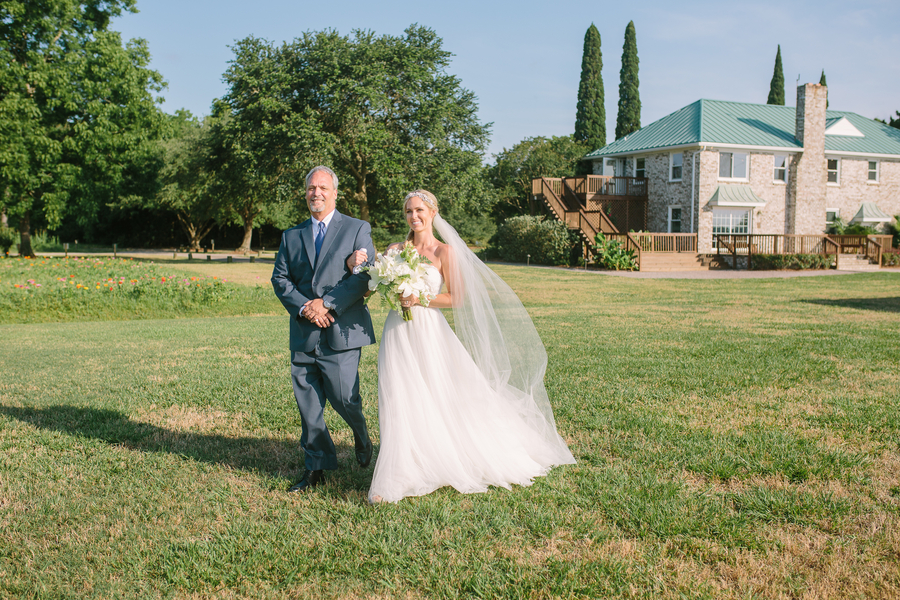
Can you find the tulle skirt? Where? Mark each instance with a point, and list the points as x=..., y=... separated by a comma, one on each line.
x=441, y=422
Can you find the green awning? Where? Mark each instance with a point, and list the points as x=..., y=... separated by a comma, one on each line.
x=870, y=213
x=735, y=195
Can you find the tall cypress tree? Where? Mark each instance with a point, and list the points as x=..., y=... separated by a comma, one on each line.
x=776, y=88
x=590, y=116
x=822, y=81
x=629, y=116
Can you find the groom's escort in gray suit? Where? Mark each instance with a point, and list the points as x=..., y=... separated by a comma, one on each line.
x=329, y=323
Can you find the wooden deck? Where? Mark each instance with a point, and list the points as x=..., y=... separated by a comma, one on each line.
x=617, y=207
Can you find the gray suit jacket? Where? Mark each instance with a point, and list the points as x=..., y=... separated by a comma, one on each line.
x=297, y=279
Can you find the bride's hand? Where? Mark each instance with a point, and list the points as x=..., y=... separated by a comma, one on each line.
x=409, y=301
x=357, y=258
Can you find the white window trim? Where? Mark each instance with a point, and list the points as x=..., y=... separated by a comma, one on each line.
x=837, y=214
x=733, y=152
x=838, y=182
x=877, y=179
x=634, y=167
x=787, y=162
x=669, y=220
x=671, y=166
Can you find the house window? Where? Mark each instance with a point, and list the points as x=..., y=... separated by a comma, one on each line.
x=676, y=161
x=780, y=173
x=830, y=215
x=674, y=219
x=873, y=171
x=730, y=222
x=732, y=165
x=834, y=171
x=639, y=167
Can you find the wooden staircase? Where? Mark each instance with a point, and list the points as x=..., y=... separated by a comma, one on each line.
x=856, y=262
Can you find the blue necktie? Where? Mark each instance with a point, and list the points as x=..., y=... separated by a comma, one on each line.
x=319, y=237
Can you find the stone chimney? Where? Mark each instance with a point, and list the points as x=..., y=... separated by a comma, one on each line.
x=805, y=212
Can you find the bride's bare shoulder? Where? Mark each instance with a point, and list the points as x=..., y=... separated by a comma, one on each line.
x=443, y=251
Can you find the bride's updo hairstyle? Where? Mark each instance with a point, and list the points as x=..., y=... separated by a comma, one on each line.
x=425, y=196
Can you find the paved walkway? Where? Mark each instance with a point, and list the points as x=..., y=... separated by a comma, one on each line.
x=710, y=274
x=269, y=257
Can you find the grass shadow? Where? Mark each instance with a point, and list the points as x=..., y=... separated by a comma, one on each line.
x=879, y=304
x=266, y=456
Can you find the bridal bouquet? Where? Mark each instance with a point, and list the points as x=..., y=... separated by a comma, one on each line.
x=400, y=272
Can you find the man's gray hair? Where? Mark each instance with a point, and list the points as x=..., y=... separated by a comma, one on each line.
x=315, y=170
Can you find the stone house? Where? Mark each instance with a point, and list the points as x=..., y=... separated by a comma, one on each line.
x=730, y=167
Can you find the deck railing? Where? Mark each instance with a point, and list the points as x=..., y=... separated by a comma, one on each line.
x=666, y=242
x=604, y=185
x=756, y=243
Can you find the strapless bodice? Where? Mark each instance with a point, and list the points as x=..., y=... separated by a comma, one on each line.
x=433, y=279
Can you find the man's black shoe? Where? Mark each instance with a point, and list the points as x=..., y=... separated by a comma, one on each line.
x=309, y=480
x=363, y=451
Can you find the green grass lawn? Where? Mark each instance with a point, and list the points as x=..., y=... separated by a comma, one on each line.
x=734, y=438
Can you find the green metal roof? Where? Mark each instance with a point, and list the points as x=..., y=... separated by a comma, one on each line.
x=735, y=195
x=739, y=123
x=870, y=213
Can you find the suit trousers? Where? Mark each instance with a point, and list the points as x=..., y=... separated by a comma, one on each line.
x=328, y=374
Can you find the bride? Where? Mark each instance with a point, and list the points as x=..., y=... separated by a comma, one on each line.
x=469, y=409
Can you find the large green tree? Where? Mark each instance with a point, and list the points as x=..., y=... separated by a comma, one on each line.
x=186, y=185
x=590, y=115
x=533, y=157
x=381, y=110
x=776, y=87
x=628, y=118
x=823, y=81
x=77, y=114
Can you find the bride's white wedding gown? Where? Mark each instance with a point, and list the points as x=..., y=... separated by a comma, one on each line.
x=441, y=422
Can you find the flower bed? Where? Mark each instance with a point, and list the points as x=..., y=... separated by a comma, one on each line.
x=53, y=289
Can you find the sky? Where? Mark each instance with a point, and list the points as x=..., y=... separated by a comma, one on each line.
x=522, y=59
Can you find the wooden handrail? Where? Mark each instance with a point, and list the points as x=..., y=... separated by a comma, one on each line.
x=873, y=250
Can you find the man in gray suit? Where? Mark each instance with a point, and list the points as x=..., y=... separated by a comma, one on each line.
x=329, y=322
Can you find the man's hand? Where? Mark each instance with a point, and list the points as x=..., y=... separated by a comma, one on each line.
x=357, y=259
x=315, y=312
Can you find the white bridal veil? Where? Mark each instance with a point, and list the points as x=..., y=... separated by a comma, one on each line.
x=498, y=333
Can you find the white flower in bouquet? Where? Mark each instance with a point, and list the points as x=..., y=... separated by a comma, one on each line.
x=400, y=272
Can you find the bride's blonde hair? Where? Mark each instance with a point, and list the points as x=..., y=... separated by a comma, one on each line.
x=425, y=196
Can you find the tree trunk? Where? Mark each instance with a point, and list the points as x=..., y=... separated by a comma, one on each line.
x=25, y=235
x=360, y=197
x=244, y=248
x=195, y=233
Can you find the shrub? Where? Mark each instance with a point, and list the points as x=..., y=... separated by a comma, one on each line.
x=890, y=259
x=611, y=254
x=894, y=230
x=547, y=242
x=8, y=237
x=781, y=262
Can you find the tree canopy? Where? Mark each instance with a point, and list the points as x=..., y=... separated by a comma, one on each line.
x=531, y=158
x=382, y=111
x=590, y=115
x=77, y=114
x=823, y=81
x=628, y=118
x=776, y=87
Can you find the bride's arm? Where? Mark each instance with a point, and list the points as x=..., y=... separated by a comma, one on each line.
x=448, y=270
